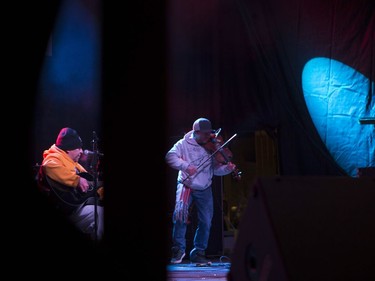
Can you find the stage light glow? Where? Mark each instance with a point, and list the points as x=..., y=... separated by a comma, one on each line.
x=337, y=97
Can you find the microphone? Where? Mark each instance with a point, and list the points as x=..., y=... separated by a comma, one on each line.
x=89, y=152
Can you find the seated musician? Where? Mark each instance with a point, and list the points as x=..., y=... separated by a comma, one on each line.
x=70, y=187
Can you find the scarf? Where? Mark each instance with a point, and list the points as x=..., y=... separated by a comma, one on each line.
x=181, y=210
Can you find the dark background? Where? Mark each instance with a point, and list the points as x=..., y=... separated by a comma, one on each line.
x=154, y=88
x=39, y=242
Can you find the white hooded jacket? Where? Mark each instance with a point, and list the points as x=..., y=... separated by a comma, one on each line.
x=187, y=151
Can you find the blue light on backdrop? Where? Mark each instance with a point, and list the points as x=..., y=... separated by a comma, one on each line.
x=70, y=91
x=337, y=97
x=74, y=66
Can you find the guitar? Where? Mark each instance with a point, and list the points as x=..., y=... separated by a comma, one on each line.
x=74, y=197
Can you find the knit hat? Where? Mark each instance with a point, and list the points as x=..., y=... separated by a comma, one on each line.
x=68, y=139
x=203, y=125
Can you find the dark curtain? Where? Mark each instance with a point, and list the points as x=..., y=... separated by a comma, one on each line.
x=240, y=63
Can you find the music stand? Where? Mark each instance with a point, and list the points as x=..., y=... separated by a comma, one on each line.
x=366, y=171
x=367, y=121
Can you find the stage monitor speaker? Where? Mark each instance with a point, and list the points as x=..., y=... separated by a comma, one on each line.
x=307, y=229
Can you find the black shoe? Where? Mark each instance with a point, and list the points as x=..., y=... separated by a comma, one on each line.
x=199, y=257
x=177, y=255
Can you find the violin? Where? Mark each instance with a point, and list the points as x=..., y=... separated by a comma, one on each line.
x=222, y=154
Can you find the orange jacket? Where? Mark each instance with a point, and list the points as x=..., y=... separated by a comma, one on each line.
x=60, y=167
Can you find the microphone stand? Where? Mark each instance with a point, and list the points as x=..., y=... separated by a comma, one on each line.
x=93, y=168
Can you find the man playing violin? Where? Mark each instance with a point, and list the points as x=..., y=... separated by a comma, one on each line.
x=196, y=168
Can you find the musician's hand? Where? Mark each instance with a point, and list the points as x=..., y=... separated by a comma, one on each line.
x=101, y=192
x=83, y=184
x=231, y=166
x=191, y=170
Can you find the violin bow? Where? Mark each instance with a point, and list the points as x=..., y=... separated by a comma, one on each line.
x=216, y=151
x=221, y=147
